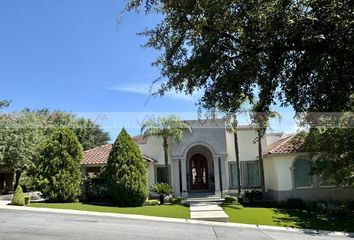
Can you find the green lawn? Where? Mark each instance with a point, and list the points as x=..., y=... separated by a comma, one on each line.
x=285, y=218
x=173, y=211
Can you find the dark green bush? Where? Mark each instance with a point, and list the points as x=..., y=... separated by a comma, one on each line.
x=18, y=198
x=152, y=202
x=254, y=196
x=94, y=188
x=125, y=173
x=27, y=199
x=230, y=200
x=177, y=200
x=295, y=203
x=162, y=189
x=58, y=169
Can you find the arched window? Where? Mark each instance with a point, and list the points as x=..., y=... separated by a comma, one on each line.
x=302, y=177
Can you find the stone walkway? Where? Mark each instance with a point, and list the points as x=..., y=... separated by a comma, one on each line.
x=207, y=211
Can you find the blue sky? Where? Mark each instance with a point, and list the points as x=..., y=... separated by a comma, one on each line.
x=74, y=56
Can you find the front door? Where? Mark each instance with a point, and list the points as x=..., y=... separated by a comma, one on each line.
x=198, y=172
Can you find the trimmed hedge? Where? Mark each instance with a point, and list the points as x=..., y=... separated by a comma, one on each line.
x=153, y=202
x=230, y=200
x=19, y=198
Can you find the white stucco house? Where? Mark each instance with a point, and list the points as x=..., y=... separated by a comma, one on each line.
x=204, y=162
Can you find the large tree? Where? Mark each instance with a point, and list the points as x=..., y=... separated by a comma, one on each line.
x=90, y=134
x=299, y=52
x=126, y=173
x=20, y=137
x=261, y=122
x=331, y=144
x=166, y=128
x=58, y=168
x=4, y=104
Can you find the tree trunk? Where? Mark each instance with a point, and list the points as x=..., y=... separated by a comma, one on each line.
x=165, y=149
x=17, y=178
x=162, y=199
x=238, y=170
x=260, y=156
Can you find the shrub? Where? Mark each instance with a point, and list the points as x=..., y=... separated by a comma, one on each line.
x=177, y=200
x=162, y=189
x=151, y=202
x=230, y=200
x=19, y=198
x=342, y=211
x=27, y=199
x=58, y=170
x=295, y=203
x=125, y=173
x=94, y=188
x=253, y=196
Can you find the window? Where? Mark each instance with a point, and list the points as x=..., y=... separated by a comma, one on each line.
x=250, y=174
x=302, y=177
x=233, y=175
x=160, y=174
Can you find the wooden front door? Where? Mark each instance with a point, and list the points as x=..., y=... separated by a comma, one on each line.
x=198, y=172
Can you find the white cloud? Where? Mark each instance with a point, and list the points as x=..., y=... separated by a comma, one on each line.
x=146, y=89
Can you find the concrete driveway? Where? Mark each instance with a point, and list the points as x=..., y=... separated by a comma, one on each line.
x=29, y=225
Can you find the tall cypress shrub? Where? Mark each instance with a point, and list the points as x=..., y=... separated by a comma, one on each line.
x=125, y=173
x=58, y=169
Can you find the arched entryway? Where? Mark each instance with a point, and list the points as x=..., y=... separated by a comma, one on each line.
x=198, y=172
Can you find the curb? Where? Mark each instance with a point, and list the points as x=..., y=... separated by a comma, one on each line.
x=178, y=220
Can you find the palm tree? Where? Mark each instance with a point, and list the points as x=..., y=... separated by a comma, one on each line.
x=237, y=151
x=165, y=127
x=260, y=117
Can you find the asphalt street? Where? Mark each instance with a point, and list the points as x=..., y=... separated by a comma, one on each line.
x=29, y=225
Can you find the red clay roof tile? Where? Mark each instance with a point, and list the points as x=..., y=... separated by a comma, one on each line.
x=290, y=144
x=99, y=155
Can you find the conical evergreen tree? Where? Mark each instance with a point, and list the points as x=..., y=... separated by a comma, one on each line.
x=125, y=173
x=58, y=168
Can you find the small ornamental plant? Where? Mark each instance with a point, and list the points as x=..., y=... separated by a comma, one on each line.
x=162, y=189
x=19, y=198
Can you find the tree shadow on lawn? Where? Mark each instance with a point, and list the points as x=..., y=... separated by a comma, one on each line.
x=302, y=219
x=309, y=220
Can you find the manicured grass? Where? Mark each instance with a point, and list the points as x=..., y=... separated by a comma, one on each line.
x=286, y=218
x=173, y=211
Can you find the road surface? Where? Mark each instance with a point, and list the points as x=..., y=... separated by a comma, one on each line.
x=29, y=225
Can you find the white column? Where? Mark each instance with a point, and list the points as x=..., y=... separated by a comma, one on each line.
x=217, y=177
x=184, y=178
x=225, y=177
x=175, y=176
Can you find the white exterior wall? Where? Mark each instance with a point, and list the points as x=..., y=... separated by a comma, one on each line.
x=248, y=149
x=277, y=170
x=153, y=148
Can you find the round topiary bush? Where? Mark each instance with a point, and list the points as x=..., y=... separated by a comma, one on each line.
x=18, y=198
x=125, y=173
x=230, y=200
x=58, y=168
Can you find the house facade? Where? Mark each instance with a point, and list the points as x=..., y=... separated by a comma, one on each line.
x=204, y=163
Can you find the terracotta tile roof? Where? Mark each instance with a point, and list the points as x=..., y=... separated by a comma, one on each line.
x=99, y=155
x=290, y=144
